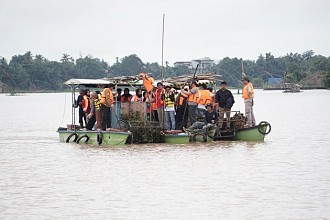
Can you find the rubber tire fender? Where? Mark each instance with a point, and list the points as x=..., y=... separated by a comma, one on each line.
x=70, y=136
x=204, y=137
x=99, y=138
x=262, y=123
x=84, y=136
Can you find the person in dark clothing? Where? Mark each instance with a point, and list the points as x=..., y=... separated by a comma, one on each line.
x=181, y=110
x=225, y=99
x=210, y=119
x=79, y=103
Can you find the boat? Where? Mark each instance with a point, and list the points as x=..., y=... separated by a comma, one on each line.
x=291, y=87
x=93, y=137
x=74, y=133
x=237, y=132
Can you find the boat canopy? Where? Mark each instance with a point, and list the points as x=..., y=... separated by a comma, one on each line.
x=87, y=82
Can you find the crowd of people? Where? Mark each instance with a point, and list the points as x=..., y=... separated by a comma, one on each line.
x=193, y=105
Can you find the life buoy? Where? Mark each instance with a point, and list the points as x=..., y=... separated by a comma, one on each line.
x=99, y=138
x=195, y=137
x=84, y=136
x=70, y=136
x=264, y=123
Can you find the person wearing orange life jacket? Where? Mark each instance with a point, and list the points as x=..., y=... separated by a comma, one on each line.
x=152, y=96
x=106, y=103
x=193, y=97
x=79, y=103
x=147, y=81
x=159, y=99
x=86, y=104
x=138, y=96
x=181, y=116
x=126, y=97
x=248, y=95
x=204, y=99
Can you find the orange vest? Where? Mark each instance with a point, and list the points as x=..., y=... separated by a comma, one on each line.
x=158, y=97
x=147, y=82
x=86, y=104
x=205, y=97
x=245, y=93
x=194, y=97
x=181, y=99
x=107, y=97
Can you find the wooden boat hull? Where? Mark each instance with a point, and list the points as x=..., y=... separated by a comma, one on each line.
x=106, y=138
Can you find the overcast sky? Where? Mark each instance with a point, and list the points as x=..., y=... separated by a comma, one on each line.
x=107, y=29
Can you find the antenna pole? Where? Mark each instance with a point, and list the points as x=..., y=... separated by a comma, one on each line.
x=163, y=47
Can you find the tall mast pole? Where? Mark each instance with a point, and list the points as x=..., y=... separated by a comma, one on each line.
x=163, y=47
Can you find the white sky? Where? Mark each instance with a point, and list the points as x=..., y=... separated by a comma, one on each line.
x=107, y=29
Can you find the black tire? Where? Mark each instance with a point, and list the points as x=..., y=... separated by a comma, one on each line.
x=99, y=138
x=70, y=136
x=209, y=135
x=84, y=136
x=264, y=123
x=195, y=139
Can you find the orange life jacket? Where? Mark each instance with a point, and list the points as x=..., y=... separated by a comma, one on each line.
x=245, y=93
x=147, y=82
x=158, y=97
x=194, y=97
x=205, y=97
x=107, y=97
x=86, y=104
x=181, y=99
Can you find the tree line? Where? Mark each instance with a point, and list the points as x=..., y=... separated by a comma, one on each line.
x=31, y=73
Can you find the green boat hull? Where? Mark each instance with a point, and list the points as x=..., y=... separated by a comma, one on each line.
x=182, y=138
x=256, y=133
x=106, y=138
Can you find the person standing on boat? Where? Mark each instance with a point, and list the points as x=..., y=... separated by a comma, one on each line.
x=82, y=116
x=248, y=95
x=159, y=99
x=126, y=97
x=181, y=116
x=169, y=98
x=106, y=103
x=86, y=104
x=204, y=99
x=225, y=99
x=138, y=96
x=95, y=113
x=118, y=97
x=193, y=97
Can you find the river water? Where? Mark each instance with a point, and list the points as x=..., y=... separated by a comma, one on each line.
x=285, y=177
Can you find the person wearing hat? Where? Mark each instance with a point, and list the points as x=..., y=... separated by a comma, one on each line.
x=225, y=99
x=248, y=95
x=211, y=118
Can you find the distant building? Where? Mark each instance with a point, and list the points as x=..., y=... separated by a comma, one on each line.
x=204, y=64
